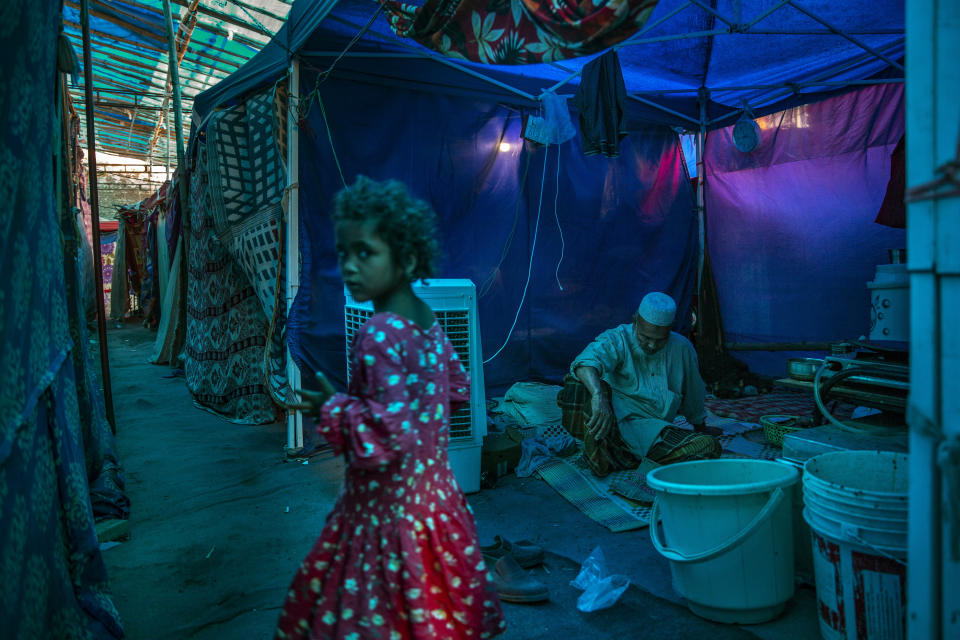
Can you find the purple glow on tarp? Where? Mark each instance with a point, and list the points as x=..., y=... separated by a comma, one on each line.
x=790, y=226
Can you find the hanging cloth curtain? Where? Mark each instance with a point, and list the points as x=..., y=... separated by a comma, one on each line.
x=518, y=31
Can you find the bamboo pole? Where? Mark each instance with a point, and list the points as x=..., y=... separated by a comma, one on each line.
x=186, y=28
x=181, y=164
x=95, y=215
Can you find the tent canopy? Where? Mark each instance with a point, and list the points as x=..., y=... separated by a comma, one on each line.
x=765, y=54
x=129, y=54
x=688, y=66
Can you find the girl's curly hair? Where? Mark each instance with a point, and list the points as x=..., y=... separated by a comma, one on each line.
x=406, y=224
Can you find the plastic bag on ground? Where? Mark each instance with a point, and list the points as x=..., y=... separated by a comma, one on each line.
x=600, y=590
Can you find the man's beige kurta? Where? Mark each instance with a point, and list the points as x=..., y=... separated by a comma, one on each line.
x=648, y=391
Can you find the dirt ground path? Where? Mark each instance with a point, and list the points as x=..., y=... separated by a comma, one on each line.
x=220, y=520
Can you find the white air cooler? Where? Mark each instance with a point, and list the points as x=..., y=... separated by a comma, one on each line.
x=454, y=303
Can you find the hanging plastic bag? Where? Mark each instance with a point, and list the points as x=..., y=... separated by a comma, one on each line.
x=599, y=589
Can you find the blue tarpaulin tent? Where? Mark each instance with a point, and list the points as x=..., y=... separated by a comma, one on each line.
x=769, y=54
x=596, y=233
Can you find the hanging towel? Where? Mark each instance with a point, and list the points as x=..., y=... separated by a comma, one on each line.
x=600, y=101
x=555, y=127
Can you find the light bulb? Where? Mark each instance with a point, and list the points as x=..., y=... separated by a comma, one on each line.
x=504, y=146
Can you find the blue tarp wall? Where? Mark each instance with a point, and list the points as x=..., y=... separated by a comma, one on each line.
x=790, y=228
x=628, y=224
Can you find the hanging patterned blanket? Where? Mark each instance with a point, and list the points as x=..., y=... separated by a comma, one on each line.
x=518, y=31
x=53, y=579
x=246, y=184
x=226, y=324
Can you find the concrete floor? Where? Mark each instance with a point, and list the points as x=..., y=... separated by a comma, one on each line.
x=220, y=520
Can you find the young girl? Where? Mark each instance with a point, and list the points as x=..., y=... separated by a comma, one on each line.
x=398, y=557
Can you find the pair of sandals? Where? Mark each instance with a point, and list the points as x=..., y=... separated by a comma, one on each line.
x=508, y=562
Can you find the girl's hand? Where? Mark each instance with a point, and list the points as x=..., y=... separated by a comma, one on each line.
x=314, y=400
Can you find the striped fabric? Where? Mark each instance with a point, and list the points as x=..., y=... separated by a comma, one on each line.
x=612, y=454
x=592, y=496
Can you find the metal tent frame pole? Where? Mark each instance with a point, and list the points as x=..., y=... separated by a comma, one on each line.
x=95, y=214
x=701, y=186
x=292, y=244
x=436, y=57
x=815, y=82
x=735, y=25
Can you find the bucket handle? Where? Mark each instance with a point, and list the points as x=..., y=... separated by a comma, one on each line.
x=676, y=556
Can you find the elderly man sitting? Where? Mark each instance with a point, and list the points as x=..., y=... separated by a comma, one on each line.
x=627, y=387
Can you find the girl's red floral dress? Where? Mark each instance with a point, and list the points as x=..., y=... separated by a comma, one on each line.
x=398, y=558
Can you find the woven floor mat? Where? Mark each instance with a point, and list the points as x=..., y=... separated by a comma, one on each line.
x=751, y=408
x=572, y=479
x=595, y=497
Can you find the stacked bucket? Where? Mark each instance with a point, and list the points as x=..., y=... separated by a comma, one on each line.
x=856, y=505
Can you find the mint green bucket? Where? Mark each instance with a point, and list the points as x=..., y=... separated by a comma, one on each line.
x=728, y=534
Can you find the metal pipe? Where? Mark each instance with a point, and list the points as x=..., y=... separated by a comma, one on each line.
x=703, y=98
x=781, y=346
x=662, y=108
x=813, y=82
x=763, y=15
x=647, y=27
x=842, y=34
x=442, y=60
x=166, y=120
x=650, y=26
x=682, y=36
x=822, y=32
x=706, y=7
x=292, y=244
x=95, y=216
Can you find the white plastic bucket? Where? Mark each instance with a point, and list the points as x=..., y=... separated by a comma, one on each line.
x=856, y=506
x=728, y=533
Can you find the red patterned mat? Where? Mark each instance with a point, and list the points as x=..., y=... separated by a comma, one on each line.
x=751, y=408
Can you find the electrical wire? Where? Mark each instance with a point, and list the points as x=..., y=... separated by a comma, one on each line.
x=556, y=197
x=533, y=248
x=306, y=102
x=488, y=282
x=333, y=150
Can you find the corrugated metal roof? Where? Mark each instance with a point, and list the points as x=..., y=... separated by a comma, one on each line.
x=129, y=59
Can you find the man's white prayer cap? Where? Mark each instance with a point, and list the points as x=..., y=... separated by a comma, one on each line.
x=658, y=309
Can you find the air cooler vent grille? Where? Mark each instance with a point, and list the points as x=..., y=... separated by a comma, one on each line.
x=456, y=324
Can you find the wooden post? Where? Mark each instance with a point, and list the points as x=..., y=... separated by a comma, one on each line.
x=95, y=213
